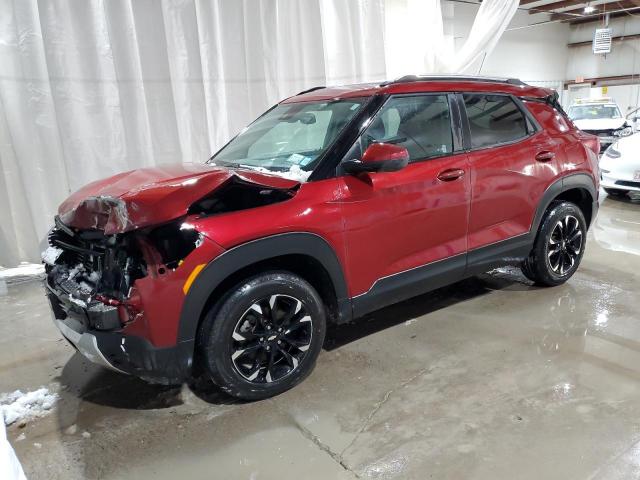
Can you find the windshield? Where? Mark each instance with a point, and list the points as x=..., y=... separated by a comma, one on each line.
x=289, y=139
x=584, y=112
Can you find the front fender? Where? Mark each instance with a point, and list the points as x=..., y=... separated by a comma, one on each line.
x=234, y=259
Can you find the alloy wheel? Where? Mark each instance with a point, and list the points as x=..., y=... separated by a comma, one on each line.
x=565, y=244
x=271, y=338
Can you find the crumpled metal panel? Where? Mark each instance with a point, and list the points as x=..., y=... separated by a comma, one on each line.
x=151, y=196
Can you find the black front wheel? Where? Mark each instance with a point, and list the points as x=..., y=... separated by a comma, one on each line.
x=559, y=245
x=264, y=336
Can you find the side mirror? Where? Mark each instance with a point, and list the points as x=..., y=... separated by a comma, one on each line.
x=379, y=157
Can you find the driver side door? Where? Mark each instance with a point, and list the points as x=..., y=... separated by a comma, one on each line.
x=406, y=231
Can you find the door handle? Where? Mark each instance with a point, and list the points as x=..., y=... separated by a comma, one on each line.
x=450, y=174
x=545, y=156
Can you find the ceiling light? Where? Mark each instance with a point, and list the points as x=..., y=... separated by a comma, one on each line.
x=589, y=9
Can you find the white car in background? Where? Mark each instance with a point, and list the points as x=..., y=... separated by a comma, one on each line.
x=620, y=166
x=601, y=118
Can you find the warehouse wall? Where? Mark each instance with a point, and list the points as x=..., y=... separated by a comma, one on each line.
x=536, y=54
x=624, y=59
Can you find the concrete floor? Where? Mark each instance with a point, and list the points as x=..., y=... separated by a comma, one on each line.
x=489, y=378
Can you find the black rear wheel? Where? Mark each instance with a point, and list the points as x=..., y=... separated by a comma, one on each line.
x=559, y=245
x=264, y=336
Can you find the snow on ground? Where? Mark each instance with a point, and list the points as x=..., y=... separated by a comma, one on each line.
x=24, y=271
x=18, y=406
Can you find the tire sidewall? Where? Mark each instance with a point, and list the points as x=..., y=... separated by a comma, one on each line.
x=557, y=212
x=222, y=319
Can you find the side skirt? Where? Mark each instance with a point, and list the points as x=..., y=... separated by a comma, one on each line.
x=417, y=281
x=507, y=252
x=404, y=285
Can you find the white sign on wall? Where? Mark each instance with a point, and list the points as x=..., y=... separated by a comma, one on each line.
x=602, y=41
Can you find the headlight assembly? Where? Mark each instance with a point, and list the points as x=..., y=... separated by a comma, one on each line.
x=623, y=132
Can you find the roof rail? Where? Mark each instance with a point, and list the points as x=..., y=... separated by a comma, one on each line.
x=452, y=78
x=310, y=90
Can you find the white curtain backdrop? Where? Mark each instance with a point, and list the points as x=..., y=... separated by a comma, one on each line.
x=89, y=88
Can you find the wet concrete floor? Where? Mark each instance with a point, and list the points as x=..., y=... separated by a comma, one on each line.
x=489, y=378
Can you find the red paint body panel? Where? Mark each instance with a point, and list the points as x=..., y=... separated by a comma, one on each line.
x=161, y=297
x=150, y=196
x=507, y=184
x=315, y=208
x=396, y=221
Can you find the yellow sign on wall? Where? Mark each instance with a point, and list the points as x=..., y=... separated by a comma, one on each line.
x=604, y=90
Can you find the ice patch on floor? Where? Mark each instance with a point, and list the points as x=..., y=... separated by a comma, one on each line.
x=23, y=272
x=19, y=406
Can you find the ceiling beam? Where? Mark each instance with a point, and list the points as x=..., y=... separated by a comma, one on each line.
x=597, y=81
x=556, y=16
x=527, y=2
x=598, y=17
x=549, y=7
x=618, y=39
x=611, y=7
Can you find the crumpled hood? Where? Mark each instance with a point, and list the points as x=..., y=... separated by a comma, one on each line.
x=600, y=123
x=150, y=196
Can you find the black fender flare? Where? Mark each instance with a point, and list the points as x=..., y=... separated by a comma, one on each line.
x=569, y=182
x=246, y=254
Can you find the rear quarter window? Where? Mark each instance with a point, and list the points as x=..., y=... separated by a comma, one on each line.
x=494, y=119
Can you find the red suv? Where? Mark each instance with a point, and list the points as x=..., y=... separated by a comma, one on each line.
x=334, y=203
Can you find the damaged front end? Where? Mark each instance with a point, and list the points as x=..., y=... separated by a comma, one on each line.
x=119, y=263
x=104, y=290
x=94, y=272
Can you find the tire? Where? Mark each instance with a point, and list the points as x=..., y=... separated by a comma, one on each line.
x=559, y=245
x=263, y=337
x=615, y=192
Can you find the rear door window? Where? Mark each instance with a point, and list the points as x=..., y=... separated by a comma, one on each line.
x=494, y=119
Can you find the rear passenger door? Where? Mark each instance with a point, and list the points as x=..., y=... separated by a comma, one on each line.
x=511, y=164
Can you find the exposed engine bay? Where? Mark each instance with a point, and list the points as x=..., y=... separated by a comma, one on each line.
x=96, y=272
x=95, y=261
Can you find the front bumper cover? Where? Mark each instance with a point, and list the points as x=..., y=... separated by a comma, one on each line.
x=606, y=141
x=609, y=180
x=115, y=350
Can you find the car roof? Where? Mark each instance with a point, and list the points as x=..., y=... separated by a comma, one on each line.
x=423, y=84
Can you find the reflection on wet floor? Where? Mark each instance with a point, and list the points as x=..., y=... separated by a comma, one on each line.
x=489, y=378
x=618, y=227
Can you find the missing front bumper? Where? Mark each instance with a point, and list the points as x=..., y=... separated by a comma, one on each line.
x=86, y=344
x=118, y=351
